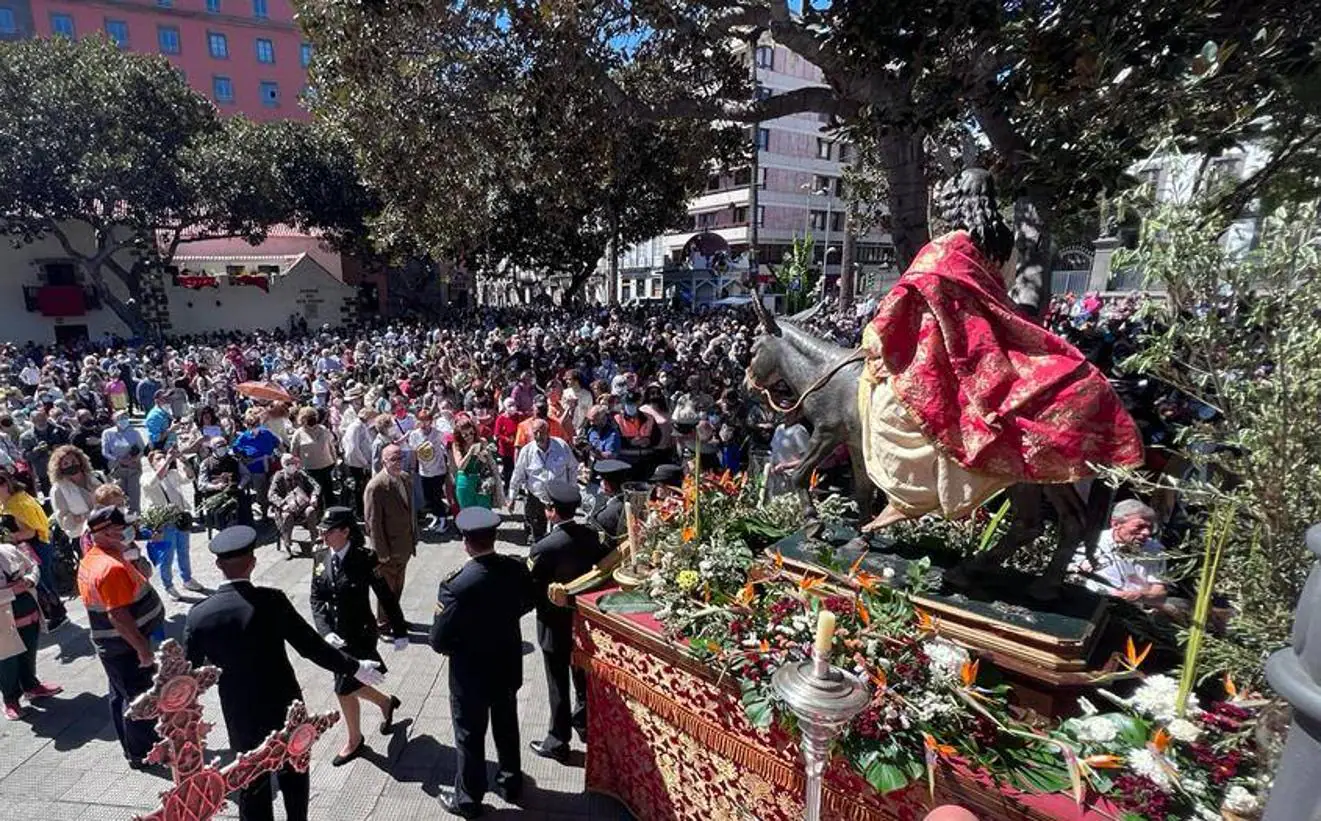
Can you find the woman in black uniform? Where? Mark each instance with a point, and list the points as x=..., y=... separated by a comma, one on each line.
x=342, y=612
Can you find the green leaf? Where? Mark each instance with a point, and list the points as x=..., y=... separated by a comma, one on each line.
x=885, y=777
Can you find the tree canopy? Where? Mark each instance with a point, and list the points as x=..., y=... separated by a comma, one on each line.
x=1065, y=96
x=116, y=157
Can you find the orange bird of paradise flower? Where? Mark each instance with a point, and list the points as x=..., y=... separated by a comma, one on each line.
x=809, y=583
x=867, y=581
x=925, y=622
x=1132, y=658
x=968, y=672
x=746, y=594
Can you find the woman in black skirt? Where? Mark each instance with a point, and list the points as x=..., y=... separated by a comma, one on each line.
x=342, y=612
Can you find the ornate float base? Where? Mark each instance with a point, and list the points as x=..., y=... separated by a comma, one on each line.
x=670, y=740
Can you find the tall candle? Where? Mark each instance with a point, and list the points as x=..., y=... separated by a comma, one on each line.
x=825, y=633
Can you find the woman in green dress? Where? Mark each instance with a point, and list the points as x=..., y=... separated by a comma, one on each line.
x=476, y=482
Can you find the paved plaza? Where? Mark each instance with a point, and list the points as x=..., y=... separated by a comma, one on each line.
x=62, y=760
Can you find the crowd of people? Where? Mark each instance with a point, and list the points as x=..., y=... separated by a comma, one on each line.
x=363, y=442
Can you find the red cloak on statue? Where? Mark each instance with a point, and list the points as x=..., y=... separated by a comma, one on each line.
x=996, y=392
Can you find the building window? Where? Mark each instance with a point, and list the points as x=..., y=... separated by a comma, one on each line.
x=823, y=183
x=761, y=178
x=259, y=9
x=837, y=221
x=625, y=292
x=713, y=182
x=213, y=6
x=742, y=176
x=117, y=31
x=270, y=94
x=822, y=148
x=845, y=152
x=818, y=220
x=218, y=44
x=167, y=37
x=655, y=289
x=61, y=25
x=222, y=88
x=265, y=50
x=764, y=139
x=762, y=93
x=766, y=57
x=8, y=24
x=761, y=215
x=706, y=220
x=740, y=213
x=305, y=55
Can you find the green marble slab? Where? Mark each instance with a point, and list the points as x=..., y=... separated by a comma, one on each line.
x=627, y=601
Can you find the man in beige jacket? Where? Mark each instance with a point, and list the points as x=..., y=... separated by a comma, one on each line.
x=391, y=525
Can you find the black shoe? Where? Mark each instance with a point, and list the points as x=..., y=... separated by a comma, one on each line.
x=341, y=760
x=387, y=721
x=462, y=810
x=581, y=732
x=560, y=754
x=510, y=790
x=56, y=623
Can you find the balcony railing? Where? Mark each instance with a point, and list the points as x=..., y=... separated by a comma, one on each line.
x=91, y=299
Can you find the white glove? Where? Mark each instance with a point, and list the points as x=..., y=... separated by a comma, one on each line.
x=369, y=673
x=334, y=640
x=400, y=643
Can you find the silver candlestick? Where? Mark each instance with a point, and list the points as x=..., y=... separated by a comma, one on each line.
x=825, y=699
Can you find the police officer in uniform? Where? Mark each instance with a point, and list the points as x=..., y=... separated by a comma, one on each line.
x=342, y=613
x=476, y=624
x=242, y=629
x=608, y=515
x=564, y=554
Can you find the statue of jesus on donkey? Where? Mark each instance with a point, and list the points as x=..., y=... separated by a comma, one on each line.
x=954, y=395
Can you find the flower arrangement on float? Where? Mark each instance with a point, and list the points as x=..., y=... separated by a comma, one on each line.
x=933, y=704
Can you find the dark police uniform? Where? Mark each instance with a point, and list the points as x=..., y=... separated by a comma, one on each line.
x=564, y=554
x=242, y=629
x=340, y=603
x=608, y=515
x=476, y=624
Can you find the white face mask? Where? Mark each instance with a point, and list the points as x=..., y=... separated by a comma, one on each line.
x=222, y=451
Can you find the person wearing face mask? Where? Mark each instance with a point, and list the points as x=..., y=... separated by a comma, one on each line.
x=540, y=410
x=295, y=498
x=219, y=474
x=123, y=446
x=38, y=443
x=391, y=523
x=636, y=429
x=256, y=447
x=159, y=420
x=72, y=484
x=123, y=611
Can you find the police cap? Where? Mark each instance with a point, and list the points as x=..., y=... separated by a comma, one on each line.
x=564, y=494
x=667, y=475
x=612, y=468
x=336, y=517
x=233, y=542
x=476, y=520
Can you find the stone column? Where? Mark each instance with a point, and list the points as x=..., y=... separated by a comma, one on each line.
x=1295, y=673
x=1105, y=249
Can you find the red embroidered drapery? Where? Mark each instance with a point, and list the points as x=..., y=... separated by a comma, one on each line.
x=998, y=393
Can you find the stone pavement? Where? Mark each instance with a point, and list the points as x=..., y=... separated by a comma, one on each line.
x=61, y=761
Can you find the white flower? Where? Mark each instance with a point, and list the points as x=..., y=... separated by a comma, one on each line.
x=1096, y=729
x=947, y=659
x=1156, y=698
x=1181, y=729
x=1143, y=762
x=1238, y=800
x=1088, y=708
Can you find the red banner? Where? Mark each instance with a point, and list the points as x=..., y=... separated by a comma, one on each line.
x=262, y=281
x=196, y=281
x=61, y=300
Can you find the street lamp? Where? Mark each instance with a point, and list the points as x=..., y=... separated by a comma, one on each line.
x=807, y=214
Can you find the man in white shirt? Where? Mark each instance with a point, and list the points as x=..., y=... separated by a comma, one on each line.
x=428, y=446
x=30, y=376
x=544, y=460
x=1129, y=564
x=356, y=444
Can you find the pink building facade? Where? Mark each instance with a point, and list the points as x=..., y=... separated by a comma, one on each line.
x=245, y=55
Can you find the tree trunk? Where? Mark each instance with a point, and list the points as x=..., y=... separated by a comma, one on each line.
x=130, y=312
x=904, y=163
x=1031, y=291
x=576, y=284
